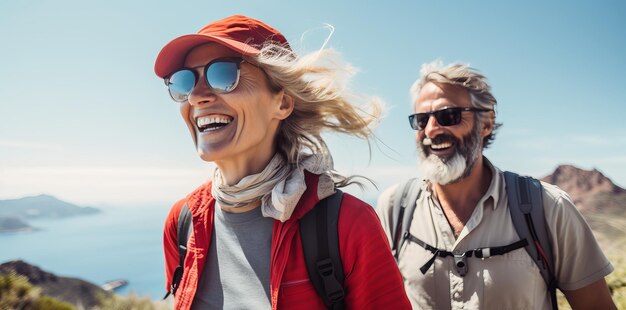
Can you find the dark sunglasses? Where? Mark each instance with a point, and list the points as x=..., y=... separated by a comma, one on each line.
x=221, y=74
x=445, y=117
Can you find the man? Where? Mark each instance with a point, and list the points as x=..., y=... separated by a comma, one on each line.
x=463, y=205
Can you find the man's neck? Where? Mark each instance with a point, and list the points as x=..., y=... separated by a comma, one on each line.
x=462, y=196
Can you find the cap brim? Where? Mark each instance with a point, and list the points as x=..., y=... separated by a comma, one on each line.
x=172, y=55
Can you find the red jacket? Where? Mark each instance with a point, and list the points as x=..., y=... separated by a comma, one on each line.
x=372, y=279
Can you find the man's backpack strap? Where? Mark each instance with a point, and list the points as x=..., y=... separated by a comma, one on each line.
x=320, y=242
x=402, y=213
x=183, y=232
x=526, y=207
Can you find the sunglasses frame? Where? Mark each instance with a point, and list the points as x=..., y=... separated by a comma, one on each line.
x=414, y=123
x=236, y=60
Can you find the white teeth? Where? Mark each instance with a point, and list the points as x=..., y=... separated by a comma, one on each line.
x=441, y=146
x=208, y=120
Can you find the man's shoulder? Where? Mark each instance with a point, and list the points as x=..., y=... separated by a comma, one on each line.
x=386, y=198
x=553, y=192
x=557, y=203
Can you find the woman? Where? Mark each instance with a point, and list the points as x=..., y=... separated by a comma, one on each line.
x=256, y=110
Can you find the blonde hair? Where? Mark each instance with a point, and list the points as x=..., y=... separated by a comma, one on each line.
x=464, y=76
x=322, y=101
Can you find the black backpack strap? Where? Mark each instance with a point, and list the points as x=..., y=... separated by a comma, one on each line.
x=184, y=230
x=460, y=259
x=526, y=207
x=402, y=213
x=320, y=242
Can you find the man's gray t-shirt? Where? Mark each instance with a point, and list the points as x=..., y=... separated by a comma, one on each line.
x=237, y=270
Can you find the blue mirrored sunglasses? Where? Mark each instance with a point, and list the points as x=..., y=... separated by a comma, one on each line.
x=221, y=75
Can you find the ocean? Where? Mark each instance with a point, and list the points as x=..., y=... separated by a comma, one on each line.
x=119, y=243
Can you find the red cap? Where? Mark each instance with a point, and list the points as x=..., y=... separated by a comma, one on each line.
x=240, y=33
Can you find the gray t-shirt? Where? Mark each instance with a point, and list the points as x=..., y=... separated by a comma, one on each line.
x=237, y=270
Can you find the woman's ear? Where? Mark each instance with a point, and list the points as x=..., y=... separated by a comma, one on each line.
x=286, y=106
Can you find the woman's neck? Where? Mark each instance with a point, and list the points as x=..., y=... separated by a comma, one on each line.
x=236, y=168
x=251, y=206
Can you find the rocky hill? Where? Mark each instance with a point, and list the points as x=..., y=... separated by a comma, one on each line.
x=601, y=201
x=590, y=190
x=586, y=186
x=70, y=290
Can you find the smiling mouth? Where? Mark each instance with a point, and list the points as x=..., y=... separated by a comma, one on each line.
x=441, y=146
x=212, y=122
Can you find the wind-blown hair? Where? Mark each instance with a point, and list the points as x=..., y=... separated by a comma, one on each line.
x=322, y=101
x=464, y=76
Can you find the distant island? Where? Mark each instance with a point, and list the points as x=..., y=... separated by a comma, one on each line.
x=14, y=213
x=13, y=224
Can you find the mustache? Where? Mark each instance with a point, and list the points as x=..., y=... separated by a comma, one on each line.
x=442, y=138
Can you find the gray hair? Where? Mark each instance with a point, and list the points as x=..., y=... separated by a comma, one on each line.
x=464, y=76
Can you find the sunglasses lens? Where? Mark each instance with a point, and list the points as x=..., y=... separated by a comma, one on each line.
x=223, y=76
x=180, y=84
x=448, y=117
x=421, y=120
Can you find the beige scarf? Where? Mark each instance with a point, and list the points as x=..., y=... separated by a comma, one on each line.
x=279, y=186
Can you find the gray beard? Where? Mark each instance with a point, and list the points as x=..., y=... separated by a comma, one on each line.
x=457, y=167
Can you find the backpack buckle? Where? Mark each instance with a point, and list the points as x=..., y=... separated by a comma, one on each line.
x=460, y=262
x=482, y=253
x=334, y=290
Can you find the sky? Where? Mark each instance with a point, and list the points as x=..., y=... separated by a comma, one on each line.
x=84, y=118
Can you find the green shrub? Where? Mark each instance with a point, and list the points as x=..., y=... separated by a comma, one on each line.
x=617, y=281
x=46, y=303
x=17, y=293
x=131, y=302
